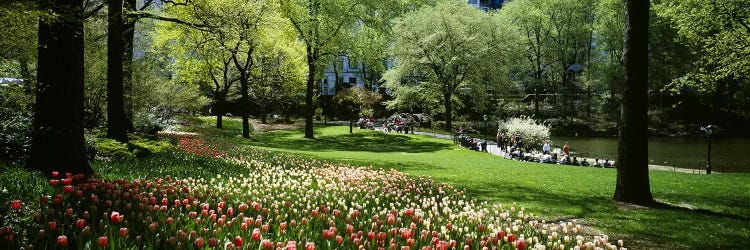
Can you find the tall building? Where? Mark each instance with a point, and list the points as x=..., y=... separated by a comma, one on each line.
x=486, y=4
x=349, y=72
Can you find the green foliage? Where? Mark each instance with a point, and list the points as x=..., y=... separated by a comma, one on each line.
x=718, y=33
x=357, y=101
x=142, y=146
x=112, y=148
x=17, y=183
x=15, y=121
x=137, y=147
x=449, y=49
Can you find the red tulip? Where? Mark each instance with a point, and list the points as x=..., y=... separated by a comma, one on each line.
x=511, y=238
x=291, y=245
x=213, y=242
x=339, y=239
x=266, y=245
x=256, y=234
x=501, y=234
x=238, y=241
x=62, y=240
x=81, y=223
x=521, y=244
x=67, y=181
x=55, y=174
x=116, y=217
x=405, y=233
x=409, y=212
x=15, y=205
x=52, y=225
x=103, y=241
x=54, y=182
x=199, y=242
x=310, y=246
x=123, y=232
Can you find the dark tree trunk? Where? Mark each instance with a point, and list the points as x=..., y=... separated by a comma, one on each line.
x=309, y=105
x=448, y=112
x=57, y=142
x=632, y=152
x=218, y=108
x=116, y=121
x=127, y=62
x=263, y=115
x=244, y=106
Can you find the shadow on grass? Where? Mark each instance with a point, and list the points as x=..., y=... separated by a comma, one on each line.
x=658, y=227
x=367, y=141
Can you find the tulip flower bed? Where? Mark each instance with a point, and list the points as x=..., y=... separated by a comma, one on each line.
x=280, y=201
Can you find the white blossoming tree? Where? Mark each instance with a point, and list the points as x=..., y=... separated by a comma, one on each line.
x=527, y=128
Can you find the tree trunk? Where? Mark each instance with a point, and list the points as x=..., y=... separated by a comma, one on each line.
x=116, y=121
x=127, y=62
x=632, y=152
x=218, y=108
x=309, y=105
x=57, y=142
x=244, y=106
x=448, y=112
x=351, y=125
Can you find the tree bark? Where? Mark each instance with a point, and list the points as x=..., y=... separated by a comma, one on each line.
x=57, y=142
x=127, y=62
x=116, y=119
x=244, y=106
x=448, y=112
x=632, y=153
x=309, y=105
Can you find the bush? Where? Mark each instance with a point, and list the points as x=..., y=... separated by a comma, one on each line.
x=142, y=147
x=15, y=122
x=527, y=128
x=112, y=148
x=138, y=146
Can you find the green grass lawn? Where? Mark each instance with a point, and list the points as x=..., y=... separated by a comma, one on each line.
x=719, y=205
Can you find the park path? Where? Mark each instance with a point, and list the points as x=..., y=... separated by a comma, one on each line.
x=492, y=148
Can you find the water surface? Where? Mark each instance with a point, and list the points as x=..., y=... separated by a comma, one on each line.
x=727, y=154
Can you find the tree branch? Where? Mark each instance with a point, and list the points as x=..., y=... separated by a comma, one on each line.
x=141, y=14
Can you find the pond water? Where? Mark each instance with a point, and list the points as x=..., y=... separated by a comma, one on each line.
x=727, y=154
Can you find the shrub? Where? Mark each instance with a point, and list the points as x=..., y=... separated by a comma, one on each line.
x=138, y=146
x=527, y=128
x=15, y=122
x=112, y=148
x=142, y=147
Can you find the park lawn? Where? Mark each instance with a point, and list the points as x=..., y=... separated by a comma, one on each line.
x=718, y=214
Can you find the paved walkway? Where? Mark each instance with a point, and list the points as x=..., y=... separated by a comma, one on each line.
x=493, y=149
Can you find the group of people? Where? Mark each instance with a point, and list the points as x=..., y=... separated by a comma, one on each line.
x=471, y=143
x=515, y=148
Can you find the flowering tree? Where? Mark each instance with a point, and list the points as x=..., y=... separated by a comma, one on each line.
x=527, y=128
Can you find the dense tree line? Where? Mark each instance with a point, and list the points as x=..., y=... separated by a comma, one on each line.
x=569, y=62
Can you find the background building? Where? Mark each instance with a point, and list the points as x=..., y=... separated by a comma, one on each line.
x=351, y=73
